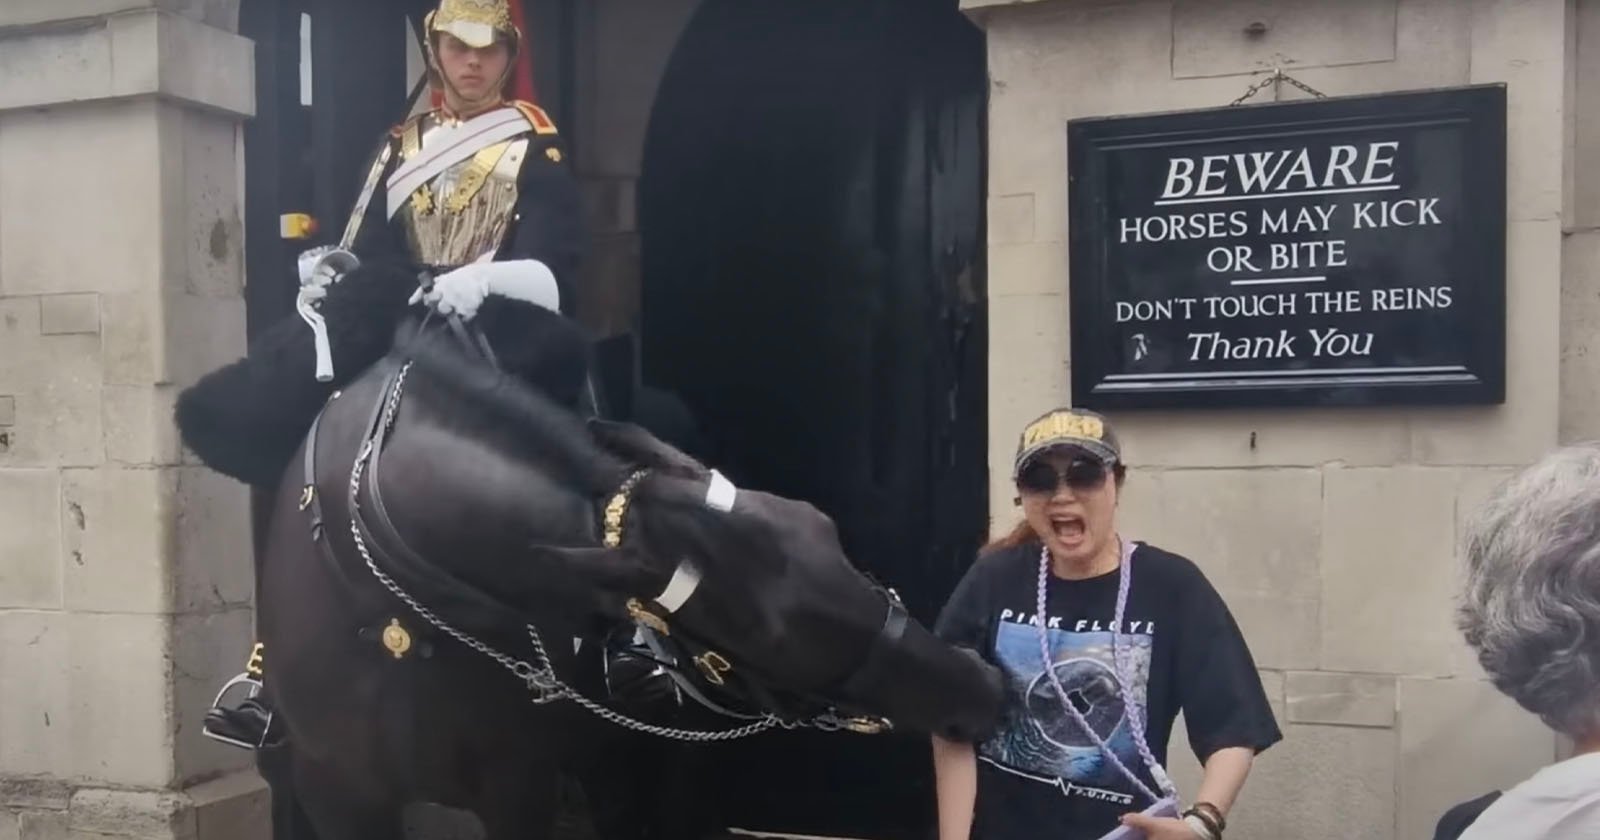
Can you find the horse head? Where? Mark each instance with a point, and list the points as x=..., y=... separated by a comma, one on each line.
x=764, y=598
x=752, y=588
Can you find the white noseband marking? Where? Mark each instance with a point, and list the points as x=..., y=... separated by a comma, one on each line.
x=685, y=579
x=721, y=494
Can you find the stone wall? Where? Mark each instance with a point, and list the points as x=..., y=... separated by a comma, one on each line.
x=1331, y=533
x=623, y=49
x=125, y=581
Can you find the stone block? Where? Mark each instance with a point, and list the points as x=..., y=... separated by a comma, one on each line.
x=30, y=539
x=1580, y=329
x=139, y=429
x=1257, y=438
x=34, y=794
x=1584, y=161
x=71, y=170
x=1523, y=44
x=56, y=407
x=45, y=825
x=1115, y=58
x=201, y=334
x=1460, y=739
x=207, y=650
x=34, y=722
x=8, y=411
x=1341, y=699
x=1210, y=37
x=65, y=63
x=69, y=314
x=10, y=825
x=1032, y=268
x=119, y=539
x=205, y=241
x=129, y=742
x=1431, y=39
x=157, y=815
x=1319, y=781
x=131, y=344
x=142, y=51
x=212, y=536
x=169, y=339
x=1255, y=534
x=20, y=13
x=200, y=63
x=1524, y=427
x=235, y=807
x=1011, y=219
x=1388, y=571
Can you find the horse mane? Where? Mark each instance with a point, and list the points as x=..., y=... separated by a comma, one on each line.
x=512, y=404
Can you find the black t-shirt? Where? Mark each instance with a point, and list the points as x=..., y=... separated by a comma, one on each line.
x=1040, y=774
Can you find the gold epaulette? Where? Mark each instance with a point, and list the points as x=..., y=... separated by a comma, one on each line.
x=541, y=122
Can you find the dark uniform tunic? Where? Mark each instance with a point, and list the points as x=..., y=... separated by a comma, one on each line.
x=510, y=200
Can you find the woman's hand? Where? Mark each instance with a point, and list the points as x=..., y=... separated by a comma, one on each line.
x=1160, y=828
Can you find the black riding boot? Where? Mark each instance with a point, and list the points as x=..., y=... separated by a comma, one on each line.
x=252, y=725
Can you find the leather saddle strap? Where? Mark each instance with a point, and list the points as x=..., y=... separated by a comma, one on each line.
x=312, y=502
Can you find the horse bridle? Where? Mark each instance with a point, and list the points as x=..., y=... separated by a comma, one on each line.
x=712, y=670
x=649, y=616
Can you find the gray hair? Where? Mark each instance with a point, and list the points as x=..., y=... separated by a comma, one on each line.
x=1531, y=603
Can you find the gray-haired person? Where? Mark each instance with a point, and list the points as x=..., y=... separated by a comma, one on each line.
x=1531, y=610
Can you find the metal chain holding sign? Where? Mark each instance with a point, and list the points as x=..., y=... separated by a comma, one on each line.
x=1276, y=77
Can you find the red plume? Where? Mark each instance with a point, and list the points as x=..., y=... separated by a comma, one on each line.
x=522, y=86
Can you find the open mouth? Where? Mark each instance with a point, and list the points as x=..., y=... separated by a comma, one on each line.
x=1067, y=527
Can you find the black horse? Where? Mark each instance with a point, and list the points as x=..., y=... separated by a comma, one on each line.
x=451, y=549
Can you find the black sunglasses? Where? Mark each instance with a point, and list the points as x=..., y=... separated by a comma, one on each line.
x=1081, y=474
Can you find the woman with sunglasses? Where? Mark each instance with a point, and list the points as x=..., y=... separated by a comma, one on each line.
x=1132, y=634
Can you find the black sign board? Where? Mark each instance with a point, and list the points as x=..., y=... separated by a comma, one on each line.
x=1346, y=251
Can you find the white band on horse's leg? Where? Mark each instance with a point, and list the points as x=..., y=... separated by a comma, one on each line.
x=721, y=494
x=685, y=580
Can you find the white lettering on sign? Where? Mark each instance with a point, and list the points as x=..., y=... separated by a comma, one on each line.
x=1287, y=171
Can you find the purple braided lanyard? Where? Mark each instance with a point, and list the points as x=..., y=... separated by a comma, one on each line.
x=1123, y=674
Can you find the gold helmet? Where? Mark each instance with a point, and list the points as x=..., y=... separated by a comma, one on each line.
x=476, y=22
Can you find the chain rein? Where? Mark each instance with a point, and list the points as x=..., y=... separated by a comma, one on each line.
x=542, y=682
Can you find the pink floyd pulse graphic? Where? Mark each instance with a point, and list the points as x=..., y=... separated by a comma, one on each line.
x=1040, y=740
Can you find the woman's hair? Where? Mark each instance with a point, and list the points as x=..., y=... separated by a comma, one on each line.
x=1530, y=606
x=1023, y=534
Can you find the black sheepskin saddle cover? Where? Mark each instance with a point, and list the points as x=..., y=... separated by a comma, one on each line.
x=247, y=419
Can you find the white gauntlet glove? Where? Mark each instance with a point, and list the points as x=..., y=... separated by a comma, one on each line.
x=462, y=291
x=319, y=268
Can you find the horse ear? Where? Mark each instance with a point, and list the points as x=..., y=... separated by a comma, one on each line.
x=639, y=446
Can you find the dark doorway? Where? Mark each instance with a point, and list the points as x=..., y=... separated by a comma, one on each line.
x=811, y=213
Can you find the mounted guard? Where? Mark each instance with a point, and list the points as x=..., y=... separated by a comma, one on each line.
x=470, y=207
